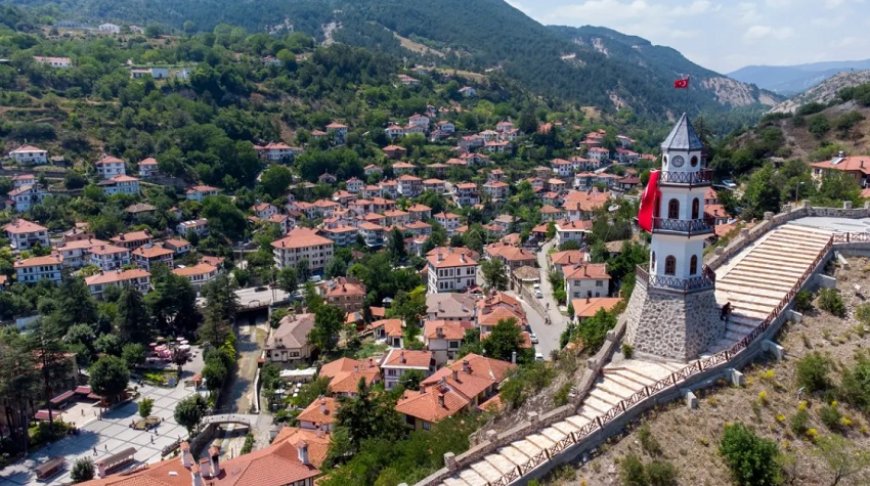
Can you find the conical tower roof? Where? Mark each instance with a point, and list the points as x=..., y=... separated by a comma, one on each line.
x=682, y=137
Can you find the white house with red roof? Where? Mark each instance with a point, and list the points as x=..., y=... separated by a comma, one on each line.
x=397, y=362
x=277, y=152
x=587, y=280
x=148, y=168
x=147, y=256
x=120, y=184
x=443, y=338
x=56, y=62
x=24, y=197
x=338, y=132
x=109, y=166
x=29, y=155
x=410, y=186
x=200, y=192
x=136, y=278
x=109, y=257
x=451, y=270
x=857, y=166
x=24, y=235
x=37, y=269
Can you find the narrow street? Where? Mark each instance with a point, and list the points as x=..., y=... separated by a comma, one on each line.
x=239, y=396
x=558, y=319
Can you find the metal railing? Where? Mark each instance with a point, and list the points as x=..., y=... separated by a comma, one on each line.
x=705, y=281
x=690, y=227
x=698, y=178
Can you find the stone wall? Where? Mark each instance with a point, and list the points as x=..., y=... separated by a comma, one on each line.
x=672, y=324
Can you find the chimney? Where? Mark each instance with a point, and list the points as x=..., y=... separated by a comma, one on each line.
x=214, y=453
x=402, y=357
x=455, y=375
x=195, y=476
x=323, y=408
x=441, y=399
x=439, y=332
x=466, y=366
x=186, y=458
x=440, y=256
x=205, y=468
x=302, y=449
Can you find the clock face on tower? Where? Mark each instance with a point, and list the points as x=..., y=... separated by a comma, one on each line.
x=678, y=161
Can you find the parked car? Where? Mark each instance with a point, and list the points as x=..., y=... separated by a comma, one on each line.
x=534, y=337
x=539, y=294
x=539, y=356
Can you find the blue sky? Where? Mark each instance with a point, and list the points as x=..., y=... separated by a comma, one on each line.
x=726, y=35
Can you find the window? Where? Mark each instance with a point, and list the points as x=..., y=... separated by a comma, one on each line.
x=694, y=161
x=673, y=209
x=696, y=208
x=652, y=262
x=693, y=265
x=670, y=265
x=599, y=283
x=427, y=426
x=453, y=344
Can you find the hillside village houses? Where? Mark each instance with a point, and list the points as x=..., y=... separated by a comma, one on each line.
x=54, y=62
x=857, y=166
x=29, y=155
x=352, y=219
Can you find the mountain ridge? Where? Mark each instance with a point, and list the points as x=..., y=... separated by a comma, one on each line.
x=475, y=35
x=794, y=79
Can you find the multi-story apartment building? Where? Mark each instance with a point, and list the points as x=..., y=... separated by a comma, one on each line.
x=108, y=167
x=303, y=244
x=37, y=269
x=24, y=234
x=136, y=278
x=109, y=257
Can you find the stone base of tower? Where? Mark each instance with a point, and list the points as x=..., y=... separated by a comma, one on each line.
x=672, y=325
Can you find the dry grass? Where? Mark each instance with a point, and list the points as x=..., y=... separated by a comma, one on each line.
x=689, y=438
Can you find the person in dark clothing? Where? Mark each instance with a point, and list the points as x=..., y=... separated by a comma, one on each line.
x=726, y=311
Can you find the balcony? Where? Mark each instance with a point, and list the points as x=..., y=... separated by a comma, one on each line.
x=702, y=177
x=705, y=281
x=688, y=227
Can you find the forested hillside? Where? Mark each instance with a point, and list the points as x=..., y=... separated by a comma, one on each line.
x=477, y=35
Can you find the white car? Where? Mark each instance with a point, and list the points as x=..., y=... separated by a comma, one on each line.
x=534, y=337
x=539, y=357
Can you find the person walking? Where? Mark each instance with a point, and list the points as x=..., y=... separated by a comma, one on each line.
x=726, y=311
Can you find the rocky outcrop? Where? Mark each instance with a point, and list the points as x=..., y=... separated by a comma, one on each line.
x=824, y=92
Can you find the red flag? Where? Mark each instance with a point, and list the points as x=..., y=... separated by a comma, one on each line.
x=649, y=200
x=681, y=83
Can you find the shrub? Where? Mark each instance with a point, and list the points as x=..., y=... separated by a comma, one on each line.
x=799, y=422
x=82, y=470
x=803, y=301
x=812, y=372
x=753, y=461
x=830, y=301
x=648, y=442
x=627, y=350
x=661, y=473
x=762, y=397
x=145, y=407
x=248, y=445
x=631, y=471
x=855, y=385
x=561, y=396
x=830, y=416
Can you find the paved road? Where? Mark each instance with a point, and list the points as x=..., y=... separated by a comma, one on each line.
x=556, y=317
x=548, y=334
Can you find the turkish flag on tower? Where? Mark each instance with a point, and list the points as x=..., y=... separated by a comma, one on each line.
x=681, y=83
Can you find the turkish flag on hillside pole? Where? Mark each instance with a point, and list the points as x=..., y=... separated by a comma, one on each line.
x=682, y=83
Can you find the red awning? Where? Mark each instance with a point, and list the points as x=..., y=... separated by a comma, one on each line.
x=62, y=397
x=83, y=389
x=43, y=415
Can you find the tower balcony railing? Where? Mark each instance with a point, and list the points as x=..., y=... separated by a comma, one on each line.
x=705, y=281
x=688, y=227
x=702, y=177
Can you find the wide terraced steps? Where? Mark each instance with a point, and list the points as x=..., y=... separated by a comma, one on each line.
x=619, y=381
x=756, y=283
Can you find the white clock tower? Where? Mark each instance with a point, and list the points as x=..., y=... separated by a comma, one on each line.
x=672, y=312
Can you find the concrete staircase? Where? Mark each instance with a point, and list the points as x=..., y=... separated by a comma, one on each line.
x=619, y=381
x=756, y=283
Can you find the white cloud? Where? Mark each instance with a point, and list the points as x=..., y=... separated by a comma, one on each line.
x=831, y=4
x=759, y=32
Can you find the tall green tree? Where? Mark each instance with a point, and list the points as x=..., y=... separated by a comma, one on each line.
x=762, y=193
x=328, y=321
x=506, y=339
x=494, y=274
x=172, y=303
x=132, y=319
x=397, y=247
x=109, y=377
x=189, y=411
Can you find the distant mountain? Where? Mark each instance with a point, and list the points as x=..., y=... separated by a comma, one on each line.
x=588, y=66
x=790, y=80
x=824, y=92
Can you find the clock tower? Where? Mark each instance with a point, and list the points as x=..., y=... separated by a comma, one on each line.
x=672, y=312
